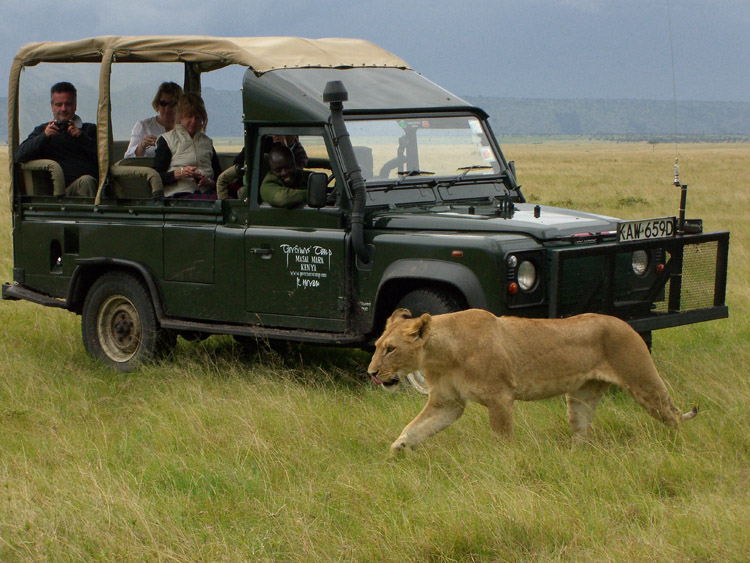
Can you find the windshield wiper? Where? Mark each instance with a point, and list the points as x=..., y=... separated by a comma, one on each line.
x=411, y=173
x=408, y=174
x=462, y=175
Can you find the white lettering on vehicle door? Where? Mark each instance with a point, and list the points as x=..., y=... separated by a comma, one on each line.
x=308, y=264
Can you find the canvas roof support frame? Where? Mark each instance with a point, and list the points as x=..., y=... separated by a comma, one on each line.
x=199, y=54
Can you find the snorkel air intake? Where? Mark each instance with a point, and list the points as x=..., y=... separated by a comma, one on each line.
x=335, y=95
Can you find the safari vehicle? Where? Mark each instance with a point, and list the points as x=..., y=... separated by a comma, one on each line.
x=414, y=206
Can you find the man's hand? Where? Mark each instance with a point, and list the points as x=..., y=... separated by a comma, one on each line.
x=73, y=130
x=51, y=130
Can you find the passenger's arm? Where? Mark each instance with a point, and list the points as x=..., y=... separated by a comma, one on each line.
x=273, y=191
x=239, y=160
x=216, y=165
x=136, y=136
x=162, y=161
x=87, y=140
x=31, y=148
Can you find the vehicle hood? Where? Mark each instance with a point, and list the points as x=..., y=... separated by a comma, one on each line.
x=552, y=222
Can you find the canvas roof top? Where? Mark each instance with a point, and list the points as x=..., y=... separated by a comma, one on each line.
x=262, y=54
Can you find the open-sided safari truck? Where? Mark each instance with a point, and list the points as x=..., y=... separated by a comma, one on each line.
x=416, y=207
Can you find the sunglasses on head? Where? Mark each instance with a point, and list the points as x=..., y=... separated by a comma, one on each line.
x=164, y=104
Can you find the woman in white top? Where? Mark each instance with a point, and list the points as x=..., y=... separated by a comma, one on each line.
x=185, y=157
x=144, y=134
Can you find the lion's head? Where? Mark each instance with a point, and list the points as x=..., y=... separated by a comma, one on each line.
x=397, y=351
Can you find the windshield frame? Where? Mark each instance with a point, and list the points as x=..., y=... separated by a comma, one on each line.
x=415, y=176
x=424, y=187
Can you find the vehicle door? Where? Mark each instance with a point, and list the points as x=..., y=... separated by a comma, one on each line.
x=295, y=259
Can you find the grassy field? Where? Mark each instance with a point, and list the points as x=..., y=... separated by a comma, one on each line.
x=222, y=455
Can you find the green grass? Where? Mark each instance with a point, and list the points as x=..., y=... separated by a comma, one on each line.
x=219, y=454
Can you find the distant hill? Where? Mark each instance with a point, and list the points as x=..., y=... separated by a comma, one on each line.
x=601, y=118
x=622, y=119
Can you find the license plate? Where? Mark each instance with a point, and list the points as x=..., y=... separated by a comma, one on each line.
x=663, y=227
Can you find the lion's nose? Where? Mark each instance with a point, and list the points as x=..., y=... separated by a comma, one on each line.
x=372, y=372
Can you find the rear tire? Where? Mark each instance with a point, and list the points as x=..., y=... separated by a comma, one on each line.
x=429, y=300
x=119, y=325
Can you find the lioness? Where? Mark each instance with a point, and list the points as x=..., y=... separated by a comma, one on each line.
x=475, y=356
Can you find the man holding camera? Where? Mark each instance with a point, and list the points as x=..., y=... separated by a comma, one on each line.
x=66, y=140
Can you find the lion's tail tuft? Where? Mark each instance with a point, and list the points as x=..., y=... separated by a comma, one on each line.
x=692, y=413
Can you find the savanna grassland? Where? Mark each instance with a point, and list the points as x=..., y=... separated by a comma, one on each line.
x=220, y=454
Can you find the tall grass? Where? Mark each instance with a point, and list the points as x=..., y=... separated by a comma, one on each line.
x=220, y=454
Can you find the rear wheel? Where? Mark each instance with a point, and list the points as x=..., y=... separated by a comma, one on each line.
x=430, y=300
x=119, y=324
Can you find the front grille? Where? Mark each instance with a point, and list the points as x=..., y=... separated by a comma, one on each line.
x=599, y=278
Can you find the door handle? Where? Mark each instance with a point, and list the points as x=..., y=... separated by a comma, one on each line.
x=262, y=251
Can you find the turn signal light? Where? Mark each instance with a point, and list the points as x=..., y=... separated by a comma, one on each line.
x=512, y=288
x=659, y=268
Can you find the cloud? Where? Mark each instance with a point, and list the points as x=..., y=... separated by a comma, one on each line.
x=538, y=48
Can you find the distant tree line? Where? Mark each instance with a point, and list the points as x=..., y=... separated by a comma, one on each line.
x=623, y=120
x=659, y=139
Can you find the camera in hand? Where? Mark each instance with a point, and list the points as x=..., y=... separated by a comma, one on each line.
x=62, y=126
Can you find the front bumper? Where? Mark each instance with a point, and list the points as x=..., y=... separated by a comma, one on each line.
x=597, y=278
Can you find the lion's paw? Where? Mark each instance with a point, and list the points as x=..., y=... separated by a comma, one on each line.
x=399, y=448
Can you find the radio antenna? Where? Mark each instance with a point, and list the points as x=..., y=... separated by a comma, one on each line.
x=674, y=84
x=677, y=182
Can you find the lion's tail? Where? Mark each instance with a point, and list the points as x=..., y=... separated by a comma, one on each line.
x=692, y=413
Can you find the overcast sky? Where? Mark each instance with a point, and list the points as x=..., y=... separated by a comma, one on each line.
x=525, y=48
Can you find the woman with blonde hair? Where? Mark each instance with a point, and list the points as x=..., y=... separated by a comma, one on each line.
x=185, y=156
x=145, y=132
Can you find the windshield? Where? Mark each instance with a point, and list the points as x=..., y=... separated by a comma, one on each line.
x=409, y=149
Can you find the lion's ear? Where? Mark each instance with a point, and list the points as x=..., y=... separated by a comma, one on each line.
x=398, y=315
x=420, y=328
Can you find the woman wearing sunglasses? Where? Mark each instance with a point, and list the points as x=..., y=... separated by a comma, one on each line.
x=144, y=134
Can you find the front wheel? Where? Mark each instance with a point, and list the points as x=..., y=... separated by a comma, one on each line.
x=118, y=322
x=430, y=300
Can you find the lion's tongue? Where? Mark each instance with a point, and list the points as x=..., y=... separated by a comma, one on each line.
x=376, y=380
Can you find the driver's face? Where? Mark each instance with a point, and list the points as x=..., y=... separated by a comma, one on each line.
x=285, y=170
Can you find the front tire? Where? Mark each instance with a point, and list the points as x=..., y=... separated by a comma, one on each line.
x=119, y=324
x=430, y=300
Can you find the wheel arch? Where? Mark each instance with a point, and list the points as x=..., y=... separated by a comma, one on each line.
x=88, y=270
x=404, y=276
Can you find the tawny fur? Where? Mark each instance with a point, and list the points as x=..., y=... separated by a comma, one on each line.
x=475, y=356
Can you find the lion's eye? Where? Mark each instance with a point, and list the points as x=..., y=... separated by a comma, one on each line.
x=389, y=349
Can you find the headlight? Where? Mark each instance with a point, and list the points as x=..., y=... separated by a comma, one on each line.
x=526, y=275
x=640, y=262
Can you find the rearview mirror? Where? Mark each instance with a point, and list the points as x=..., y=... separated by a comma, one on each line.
x=317, y=185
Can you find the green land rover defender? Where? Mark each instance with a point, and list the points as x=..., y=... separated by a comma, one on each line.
x=411, y=204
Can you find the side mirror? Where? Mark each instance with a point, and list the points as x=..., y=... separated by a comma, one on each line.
x=317, y=186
